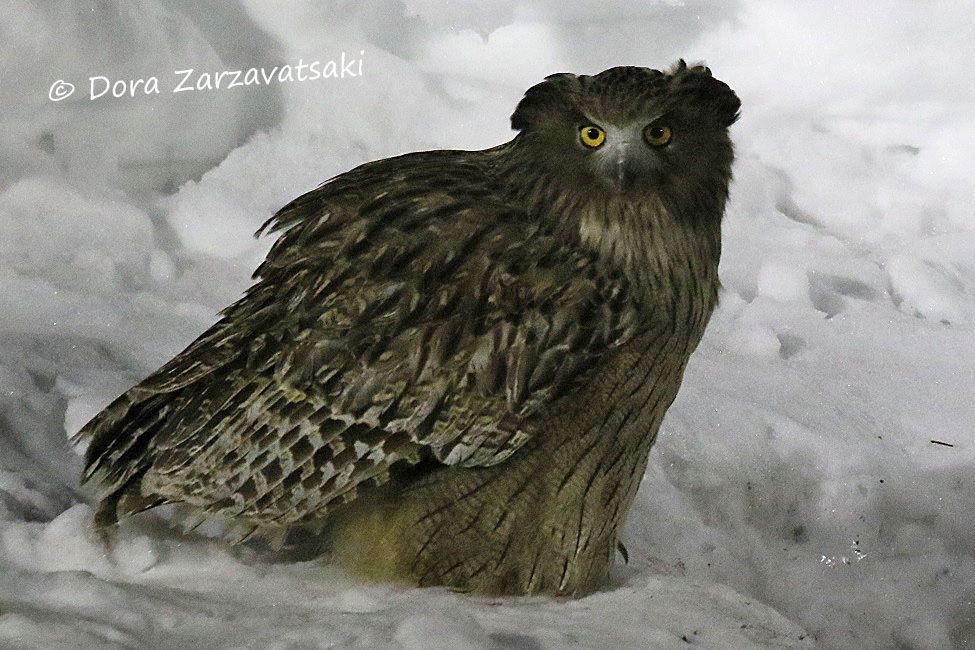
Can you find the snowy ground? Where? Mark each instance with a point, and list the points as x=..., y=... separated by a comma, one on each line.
x=795, y=497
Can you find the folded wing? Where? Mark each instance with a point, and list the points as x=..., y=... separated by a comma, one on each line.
x=405, y=312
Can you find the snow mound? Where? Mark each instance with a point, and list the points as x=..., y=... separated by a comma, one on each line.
x=812, y=484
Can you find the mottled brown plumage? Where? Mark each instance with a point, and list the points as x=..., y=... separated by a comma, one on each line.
x=454, y=363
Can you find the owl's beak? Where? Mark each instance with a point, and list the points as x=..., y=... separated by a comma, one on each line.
x=625, y=167
x=620, y=165
x=623, y=159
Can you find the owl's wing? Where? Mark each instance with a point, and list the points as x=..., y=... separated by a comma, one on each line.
x=404, y=312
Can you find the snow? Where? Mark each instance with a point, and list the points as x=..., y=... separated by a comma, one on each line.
x=798, y=495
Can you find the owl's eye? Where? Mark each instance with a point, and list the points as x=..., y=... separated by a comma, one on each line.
x=657, y=135
x=592, y=136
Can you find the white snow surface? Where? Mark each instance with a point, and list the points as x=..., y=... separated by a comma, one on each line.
x=797, y=496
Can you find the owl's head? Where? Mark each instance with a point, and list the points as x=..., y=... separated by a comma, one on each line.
x=631, y=129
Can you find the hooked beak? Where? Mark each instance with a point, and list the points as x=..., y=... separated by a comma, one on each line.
x=625, y=167
x=624, y=160
x=620, y=155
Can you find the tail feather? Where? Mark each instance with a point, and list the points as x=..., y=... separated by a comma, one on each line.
x=120, y=439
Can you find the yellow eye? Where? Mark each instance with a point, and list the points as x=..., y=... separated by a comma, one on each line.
x=592, y=136
x=657, y=135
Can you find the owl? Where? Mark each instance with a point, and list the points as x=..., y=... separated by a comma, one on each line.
x=452, y=364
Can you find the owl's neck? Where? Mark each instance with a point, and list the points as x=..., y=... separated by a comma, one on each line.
x=669, y=261
x=644, y=240
x=669, y=257
x=637, y=232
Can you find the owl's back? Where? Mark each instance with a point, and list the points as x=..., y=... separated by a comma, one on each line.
x=408, y=312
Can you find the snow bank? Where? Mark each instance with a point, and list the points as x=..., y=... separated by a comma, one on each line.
x=812, y=484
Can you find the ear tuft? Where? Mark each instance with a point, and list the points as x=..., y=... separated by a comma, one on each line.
x=543, y=98
x=712, y=95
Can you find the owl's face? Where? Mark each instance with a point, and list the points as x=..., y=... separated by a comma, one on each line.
x=631, y=130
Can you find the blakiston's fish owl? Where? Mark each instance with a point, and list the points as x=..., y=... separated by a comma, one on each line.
x=453, y=363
